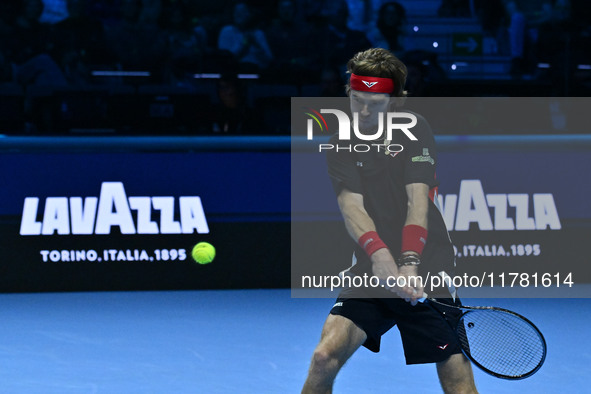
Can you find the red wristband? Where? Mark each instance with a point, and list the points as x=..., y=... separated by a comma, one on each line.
x=414, y=238
x=371, y=242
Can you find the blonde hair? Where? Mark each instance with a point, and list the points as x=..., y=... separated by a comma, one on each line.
x=381, y=63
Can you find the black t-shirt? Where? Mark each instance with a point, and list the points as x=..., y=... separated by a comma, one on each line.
x=381, y=176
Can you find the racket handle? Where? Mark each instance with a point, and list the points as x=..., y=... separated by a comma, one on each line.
x=423, y=298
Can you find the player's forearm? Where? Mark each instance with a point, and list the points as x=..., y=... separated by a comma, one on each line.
x=359, y=224
x=357, y=220
x=417, y=215
x=418, y=205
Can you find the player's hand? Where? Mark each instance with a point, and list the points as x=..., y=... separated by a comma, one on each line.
x=384, y=266
x=388, y=273
x=413, y=290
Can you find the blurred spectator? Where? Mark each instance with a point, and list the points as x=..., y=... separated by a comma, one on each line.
x=556, y=43
x=316, y=12
x=454, y=9
x=416, y=84
x=137, y=39
x=187, y=41
x=39, y=70
x=492, y=15
x=54, y=11
x=30, y=37
x=80, y=45
x=289, y=39
x=423, y=70
x=150, y=13
x=549, y=27
x=232, y=115
x=245, y=40
x=506, y=23
x=517, y=37
x=28, y=46
x=211, y=15
x=362, y=14
x=338, y=41
x=389, y=31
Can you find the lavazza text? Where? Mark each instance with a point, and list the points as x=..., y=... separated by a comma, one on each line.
x=113, y=208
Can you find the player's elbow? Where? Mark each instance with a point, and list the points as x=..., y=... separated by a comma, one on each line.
x=349, y=201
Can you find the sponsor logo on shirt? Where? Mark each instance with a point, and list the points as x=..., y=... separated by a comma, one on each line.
x=425, y=158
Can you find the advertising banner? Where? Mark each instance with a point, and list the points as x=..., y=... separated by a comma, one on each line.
x=129, y=220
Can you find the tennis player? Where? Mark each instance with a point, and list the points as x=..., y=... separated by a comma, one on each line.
x=387, y=199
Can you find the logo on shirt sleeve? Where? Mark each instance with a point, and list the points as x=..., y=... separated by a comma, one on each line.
x=424, y=158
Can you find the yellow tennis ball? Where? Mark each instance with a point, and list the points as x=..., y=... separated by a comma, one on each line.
x=203, y=253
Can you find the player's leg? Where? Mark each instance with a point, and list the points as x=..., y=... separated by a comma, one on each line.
x=339, y=340
x=455, y=375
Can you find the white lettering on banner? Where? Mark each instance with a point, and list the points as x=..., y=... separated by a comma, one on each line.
x=192, y=215
x=472, y=205
x=92, y=215
x=499, y=204
x=143, y=206
x=166, y=207
x=113, y=210
x=55, y=209
x=82, y=216
x=471, y=194
x=545, y=212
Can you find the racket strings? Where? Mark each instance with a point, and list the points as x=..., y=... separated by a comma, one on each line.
x=501, y=342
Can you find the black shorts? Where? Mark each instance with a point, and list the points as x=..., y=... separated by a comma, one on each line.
x=426, y=337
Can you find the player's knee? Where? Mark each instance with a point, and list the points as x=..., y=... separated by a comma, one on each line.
x=323, y=370
x=324, y=361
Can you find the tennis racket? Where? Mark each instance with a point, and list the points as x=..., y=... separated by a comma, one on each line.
x=501, y=342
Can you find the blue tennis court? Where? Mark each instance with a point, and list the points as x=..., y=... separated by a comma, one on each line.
x=243, y=341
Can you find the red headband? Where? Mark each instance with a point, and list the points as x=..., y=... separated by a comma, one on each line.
x=372, y=84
